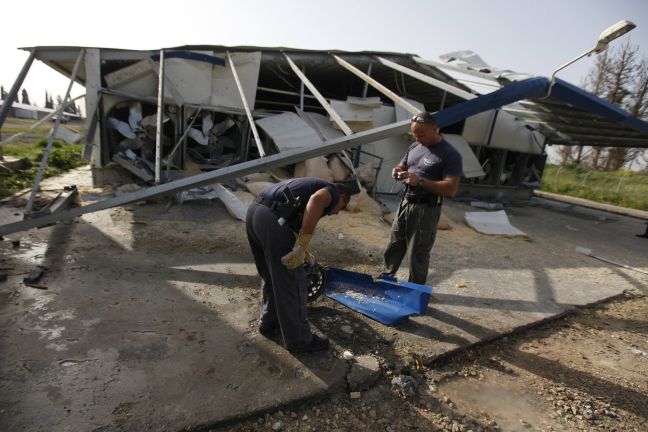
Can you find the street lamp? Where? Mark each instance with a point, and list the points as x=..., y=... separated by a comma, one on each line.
x=608, y=35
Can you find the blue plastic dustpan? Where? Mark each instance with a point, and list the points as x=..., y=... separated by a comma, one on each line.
x=386, y=300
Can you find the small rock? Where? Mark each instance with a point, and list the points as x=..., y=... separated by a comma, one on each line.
x=305, y=418
x=277, y=426
x=364, y=373
x=346, y=329
x=15, y=243
x=355, y=395
x=348, y=355
x=33, y=277
x=404, y=385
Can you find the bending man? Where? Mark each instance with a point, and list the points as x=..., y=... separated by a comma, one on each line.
x=271, y=224
x=431, y=169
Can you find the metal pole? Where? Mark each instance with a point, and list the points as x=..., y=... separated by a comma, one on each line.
x=160, y=113
x=220, y=175
x=366, y=84
x=301, y=90
x=320, y=98
x=8, y=102
x=428, y=79
x=329, y=109
x=6, y=106
x=443, y=99
x=50, y=141
x=375, y=84
x=257, y=139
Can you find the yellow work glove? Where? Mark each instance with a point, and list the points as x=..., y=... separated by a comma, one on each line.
x=296, y=257
x=309, y=257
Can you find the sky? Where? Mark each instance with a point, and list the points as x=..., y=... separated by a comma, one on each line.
x=534, y=37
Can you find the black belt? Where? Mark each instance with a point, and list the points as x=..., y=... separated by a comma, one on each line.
x=294, y=223
x=266, y=202
x=430, y=199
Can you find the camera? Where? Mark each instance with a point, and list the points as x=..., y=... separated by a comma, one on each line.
x=400, y=175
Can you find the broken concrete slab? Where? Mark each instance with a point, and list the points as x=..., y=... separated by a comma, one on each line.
x=364, y=373
x=149, y=320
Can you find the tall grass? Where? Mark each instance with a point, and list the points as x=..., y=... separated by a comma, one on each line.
x=624, y=188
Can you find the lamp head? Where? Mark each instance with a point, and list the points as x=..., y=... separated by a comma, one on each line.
x=611, y=33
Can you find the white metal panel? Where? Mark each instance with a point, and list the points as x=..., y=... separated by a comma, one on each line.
x=192, y=79
x=390, y=149
x=224, y=92
x=471, y=166
x=289, y=131
x=137, y=79
x=352, y=112
x=323, y=125
x=476, y=128
x=371, y=102
x=509, y=133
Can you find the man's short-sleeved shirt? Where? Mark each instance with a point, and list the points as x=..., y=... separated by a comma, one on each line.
x=302, y=188
x=435, y=162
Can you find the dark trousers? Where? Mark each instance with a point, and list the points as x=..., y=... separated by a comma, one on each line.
x=414, y=228
x=283, y=290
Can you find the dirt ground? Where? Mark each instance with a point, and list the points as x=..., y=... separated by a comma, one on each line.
x=586, y=371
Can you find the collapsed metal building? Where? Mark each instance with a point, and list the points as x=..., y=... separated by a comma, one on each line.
x=221, y=111
x=205, y=122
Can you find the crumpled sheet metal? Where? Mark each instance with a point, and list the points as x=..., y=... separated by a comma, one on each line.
x=385, y=300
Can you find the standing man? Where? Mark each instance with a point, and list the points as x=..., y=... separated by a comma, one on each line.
x=431, y=170
x=279, y=213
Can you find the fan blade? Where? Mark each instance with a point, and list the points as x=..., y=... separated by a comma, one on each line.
x=133, y=144
x=223, y=126
x=121, y=127
x=197, y=136
x=151, y=121
x=207, y=124
x=134, y=116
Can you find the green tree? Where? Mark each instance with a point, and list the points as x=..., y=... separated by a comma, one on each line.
x=25, y=97
x=620, y=77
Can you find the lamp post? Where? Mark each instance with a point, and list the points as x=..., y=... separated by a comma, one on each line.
x=608, y=35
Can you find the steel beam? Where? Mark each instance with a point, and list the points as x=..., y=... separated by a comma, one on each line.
x=219, y=175
x=50, y=141
x=329, y=109
x=455, y=68
x=428, y=79
x=8, y=102
x=160, y=121
x=257, y=139
x=375, y=84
